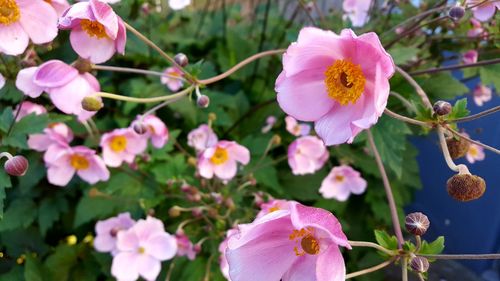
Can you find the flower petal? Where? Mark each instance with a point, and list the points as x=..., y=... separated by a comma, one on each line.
x=13, y=39
x=97, y=50
x=161, y=246
x=330, y=265
x=25, y=83
x=39, y=20
x=125, y=266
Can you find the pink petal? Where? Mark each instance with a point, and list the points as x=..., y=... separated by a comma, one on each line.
x=148, y=267
x=125, y=266
x=60, y=175
x=25, y=83
x=304, y=269
x=127, y=241
x=357, y=185
x=104, y=14
x=161, y=246
x=71, y=17
x=111, y=158
x=484, y=12
x=39, y=142
x=227, y=170
x=331, y=189
x=39, y=20
x=334, y=128
x=121, y=37
x=205, y=168
x=13, y=39
x=330, y=265
x=97, y=171
x=239, y=153
x=148, y=228
x=97, y=50
x=68, y=98
x=54, y=73
x=104, y=243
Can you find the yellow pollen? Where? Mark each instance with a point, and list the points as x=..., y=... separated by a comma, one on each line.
x=9, y=12
x=220, y=156
x=309, y=244
x=274, y=208
x=141, y=250
x=345, y=81
x=118, y=143
x=48, y=1
x=79, y=162
x=174, y=73
x=339, y=178
x=94, y=28
x=473, y=151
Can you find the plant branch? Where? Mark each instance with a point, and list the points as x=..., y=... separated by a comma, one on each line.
x=404, y=269
x=371, y=245
x=406, y=119
x=369, y=270
x=490, y=148
x=134, y=70
x=477, y=115
x=175, y=96
x=408, y=104
x=453, y=67
x=418, y=89
x=463, y=257
x=462, y=169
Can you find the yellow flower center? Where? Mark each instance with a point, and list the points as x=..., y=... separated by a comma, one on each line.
x=274, y=208
x=141, y=250
x=220, y=156
x=94, y=28
x=345, y=81
x=9, y=12
x=339, y=178
x=48, y=1
x=118, y=143
x=79, y=162
x=308, y=242
x=473, y=151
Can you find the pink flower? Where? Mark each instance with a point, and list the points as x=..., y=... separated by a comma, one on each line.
x=224, y=265
x=341, y=182
x=54, y=134
x=157, y=131
x=301, y=243
x=475, y=153
x=178, y=4
x=121, y=145
x=141, y=249
x=96, y=31
x=63, y=162
x=470, y=57
x=481, y=94
x=222, y=159
x=184, y=246
x=107, y=231
x=306, y=155
x=341, y=82
x=484, y=11
x=22, y=20
x=270, y=121
x=296, y=129
x=27, y=108
x=2, y=81
x=477, y=29
x=64, y=84
x=173, y=78
x=202, y=138
x=357, y=11
x=59, y=5
x=273, y=206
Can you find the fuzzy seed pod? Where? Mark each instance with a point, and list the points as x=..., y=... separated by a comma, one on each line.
x=203, y=101
x=458, y=147
x=417, y=223
x=139, y=128
x=465, y=187
x=92, y=103
x=16, y=166
x=442, y=108
x=174, y=212
x=456, y=12
x=181, y=59
x=419, y=264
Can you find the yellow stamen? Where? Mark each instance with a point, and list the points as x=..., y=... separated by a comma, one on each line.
x=339, y=178
x=308, y=242
x=345, y=81
x=274, y=208
x=141, y=250
x=473, y=151
x=118, y=143
x=9, y=12
x=79, y=162
x=93, y=28
x=220, y=156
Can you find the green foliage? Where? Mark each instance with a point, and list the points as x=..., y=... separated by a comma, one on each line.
x=385, y=240
x=459, y=110
x=433, y=248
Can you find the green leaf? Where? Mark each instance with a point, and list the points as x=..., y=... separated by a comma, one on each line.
x=459, y=110
x=268, y=176
x=174, y=167
x=402, y=55
x=302, y=187
x=91, y=208
x=20, y=213
x=33, y=269
x=490, y=75
x=6, y=119
x=443, y=86
x=29, y=124
x=49, y=212
x=433, y=248
x=60, y=263
x=4, y=183
x=386, y=241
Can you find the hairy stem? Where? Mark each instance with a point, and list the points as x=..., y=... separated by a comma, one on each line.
x=134, y=70
x=490, y=148
x=369, y=270
x=453, y=67
x=463, y=257
x=175, y=96
x=371, y=245
x=477, y=115
x=446, y=153
x=404, y=269
x=415, y=85
x=406, y=119
x=6, y=154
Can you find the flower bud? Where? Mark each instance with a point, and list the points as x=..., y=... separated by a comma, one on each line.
x=457, y=147
x=83, y=65
x=203, y=101
x=181, y=59
x=91, y=103
x=465, y=187
x=442, y=108
x=197, y=212
x=192, y=161
x=456, y=12
x=419, y=264
x=140, y=128
x=16, y=166
x=276, y=140
x=417, y=223
x=174, y=212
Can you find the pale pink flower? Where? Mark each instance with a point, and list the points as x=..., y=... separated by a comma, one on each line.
x=157, y=131
x=477, y=29
x=141, y=249
x=273, y=205
x=184, y=246
x=224, y=266
x=481, y=94
x=202, y=138
x=2, y=81
x=306, y=155
x=122, y=145
x=295, y=128
x=55, y=133
x=107, y=231
x=484, y=11
x=222, y=160
x=105, y=1
x=300, y=243
x=178, y=4
x=63, y=162
x=96, y=31
x=270, y=121
x=22, y=20
x=357, y=11
x=27, y=108
x=341, y=182
x=64, y=84
x=470, y=57
x=173, y=78
x=475, y=153
x=341, y=82
x=59, y=5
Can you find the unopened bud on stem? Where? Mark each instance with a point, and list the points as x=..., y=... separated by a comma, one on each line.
x=91, y=103
x=181, y=59
x=417, y=223
x=442, y=108
x=203, y=101
x=419, y=264
x=456, y=12
x=16, y=166
x=139, y=128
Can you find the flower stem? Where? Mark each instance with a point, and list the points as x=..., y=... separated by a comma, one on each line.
x=371, y=245
x=406, y=119
x=463, y=257
x=462, y=169
x=6, y=154
x=369, y=270
x=478, y=115
x=408, y=104
x=388, y=190
x=453, y=67
x=404, y=269
x=415, y=85
x=134, y=70
x=490, y=148
x=175, y=96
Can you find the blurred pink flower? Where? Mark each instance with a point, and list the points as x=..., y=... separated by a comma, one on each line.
x=64, y=84
x=306, y=155
x=470, y=57
x=272, y=206
x=63, y=162
x=301, y=243
x=184, y=246
x=141, y=249
x=270, y=121
x=122, y=145
x=96, y=31
x=54, y=134
x=357, y=11
x=2, y=81
x=107, y=231
x=224, y=266
x=202, y=138
x=175, y=81
x=341, y=182
x=484, y=11
x=477, y=29
x=157, y=131
x=22, y=20
x=481, y=94
x=295, y=128
x=341, y=82
x=59, y=5
x=475, y=153
x=178, y=4
x=221, y=160
x=27, y=108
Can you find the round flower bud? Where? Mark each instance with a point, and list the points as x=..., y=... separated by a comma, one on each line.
x=419, y=264
x=457, y=147
x=181, y=59
x=465, y=187
x=91, y=103
x=174, y=212
x=16, y=166
x=203, y=101
x=442, y=108
x=83, y=65
x=139, y=128
x=456, y=12
x=417, y=223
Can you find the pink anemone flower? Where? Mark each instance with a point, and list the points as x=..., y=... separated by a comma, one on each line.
x=59, y=5
x=357, y=11
x=27, y=108
x=306, y=155
x=474, y=153
x=224, y=265
x=341, y=82
x=295, y=128
x=300, y=243
x=2, y=81
x=477, y=29
x=185, y=247
x=481, y=94
x=273, y=206
x=54, y=134
x=22, y=20
x=122, y=145
x=484, y=11
x=173, y=78
x=157, y=131
x=470, y=57
x=341, y=182
x=107, y=231
x=222, y=159
x=202, y=138
x=96, y=31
